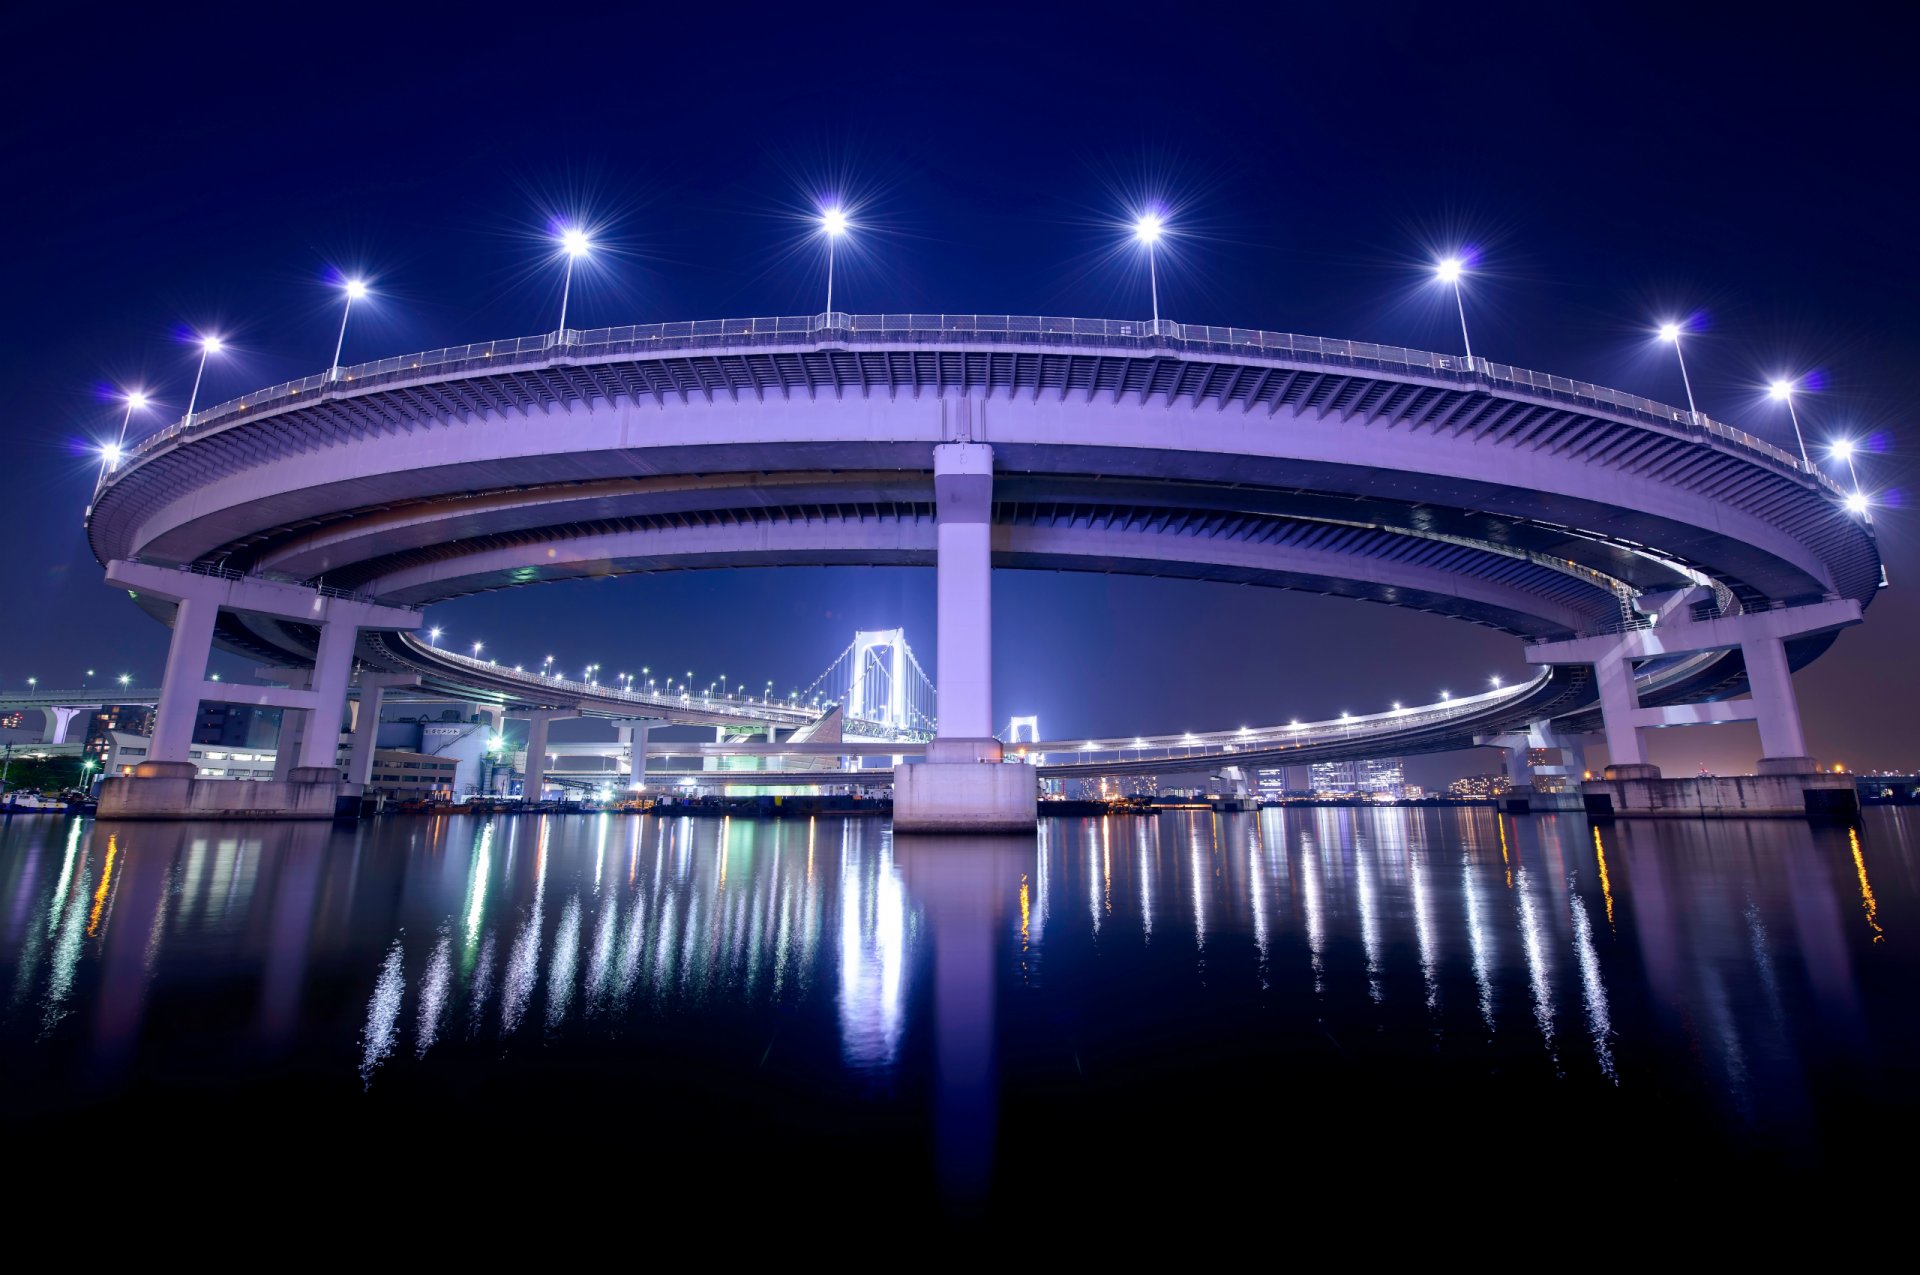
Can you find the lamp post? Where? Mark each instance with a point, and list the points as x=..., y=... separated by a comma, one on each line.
x=1782, y=391
x=833, y=224
x=355, y=289
x=433, y=636
x=575, y=244
x=110, y=454
x=208, y=345
x=1448, y=271
x=1673, y=332
x=1147, y=229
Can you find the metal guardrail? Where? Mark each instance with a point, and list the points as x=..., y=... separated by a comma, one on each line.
x=215, y=572
x=1222, y=745
x=747, y=709
x=573, y=346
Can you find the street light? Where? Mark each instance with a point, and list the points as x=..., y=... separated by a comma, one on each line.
x=126, y=679
x=1781, y=391
x=208, y=345
x=1673, y=332
x=575, y=244
x=1147, y=229
x=1843, y=449
x=1495, y=679
x=1448, y=271
x=1857, y=503
x=833, y=224
x=433, y=636
x=476, y=649
x=355, y=289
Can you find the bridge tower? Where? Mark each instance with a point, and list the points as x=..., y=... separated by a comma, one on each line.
x=962, y=786
x=891, y=709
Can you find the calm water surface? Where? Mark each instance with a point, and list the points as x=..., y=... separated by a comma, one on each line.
x=1193, y=1007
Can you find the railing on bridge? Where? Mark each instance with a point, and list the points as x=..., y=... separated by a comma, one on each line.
x=745, y=707
x=575, y=345
x=1212, y=746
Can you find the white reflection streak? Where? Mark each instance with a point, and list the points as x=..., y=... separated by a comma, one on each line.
x=1196, y=862
x=482, y=987
x=433, y=993
x=1146, y=888
x=1535, y=946
x=631, y=949
x=1257, y=885
x=383, y=1011
x=1423, y=927
x=872, y=964
x=566, y=958
x=1316, y=919
x=66, y=876
x=66, y=960
x=1093, y=882
x=1480, y=941
x=1369, y=919
x=523, y=962
x=477, y=884
x=1599, y=1020
x=600, y=965
x=1041, y=872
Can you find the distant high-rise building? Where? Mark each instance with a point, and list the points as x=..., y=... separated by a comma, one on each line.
x=1369, y=777
x=233, y=726
x=129, y=719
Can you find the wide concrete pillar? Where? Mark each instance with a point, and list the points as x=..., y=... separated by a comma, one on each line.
x=332, y=670
x=187, y=654
x=632, y=732
x=963, y=538
x=59, y=722
x=287, y=745
x=536, y=768
x=1776, y=710
x=1618, y=704
x=964, y=785
x=366, y=722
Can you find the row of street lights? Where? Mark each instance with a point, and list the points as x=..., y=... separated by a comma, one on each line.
x=1149, y=228
x=735, y=691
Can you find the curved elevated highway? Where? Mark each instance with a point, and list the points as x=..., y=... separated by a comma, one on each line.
x=1529, y=503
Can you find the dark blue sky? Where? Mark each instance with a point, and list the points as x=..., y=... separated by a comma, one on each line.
x=1612, y=165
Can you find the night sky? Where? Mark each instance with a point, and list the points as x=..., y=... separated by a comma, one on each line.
x=183, y=167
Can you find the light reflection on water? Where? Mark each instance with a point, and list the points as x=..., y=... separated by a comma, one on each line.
x=1717, y=962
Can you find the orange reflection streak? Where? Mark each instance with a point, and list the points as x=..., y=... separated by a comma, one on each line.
x=1501, y=824
x=1867, y=902
x=1606, y=886
x=1026, y=912
x=106, y=879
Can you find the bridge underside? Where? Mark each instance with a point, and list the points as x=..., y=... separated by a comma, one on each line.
x=1533, y=505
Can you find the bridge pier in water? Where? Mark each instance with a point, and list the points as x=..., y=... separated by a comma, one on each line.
x=964, y=784
x=1786, y=780
x=166, y=785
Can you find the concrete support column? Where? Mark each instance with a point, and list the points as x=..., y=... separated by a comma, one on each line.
x=536, y=769
x=59, y=721
x=1618, y=702
x=963, y=495
x=332, y=670
x=1519, y=773
x=187, y=655
x=1776, y=709
x=287, y=748
x=633, y=733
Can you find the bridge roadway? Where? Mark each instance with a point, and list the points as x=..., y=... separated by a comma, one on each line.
x=1530, y=503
